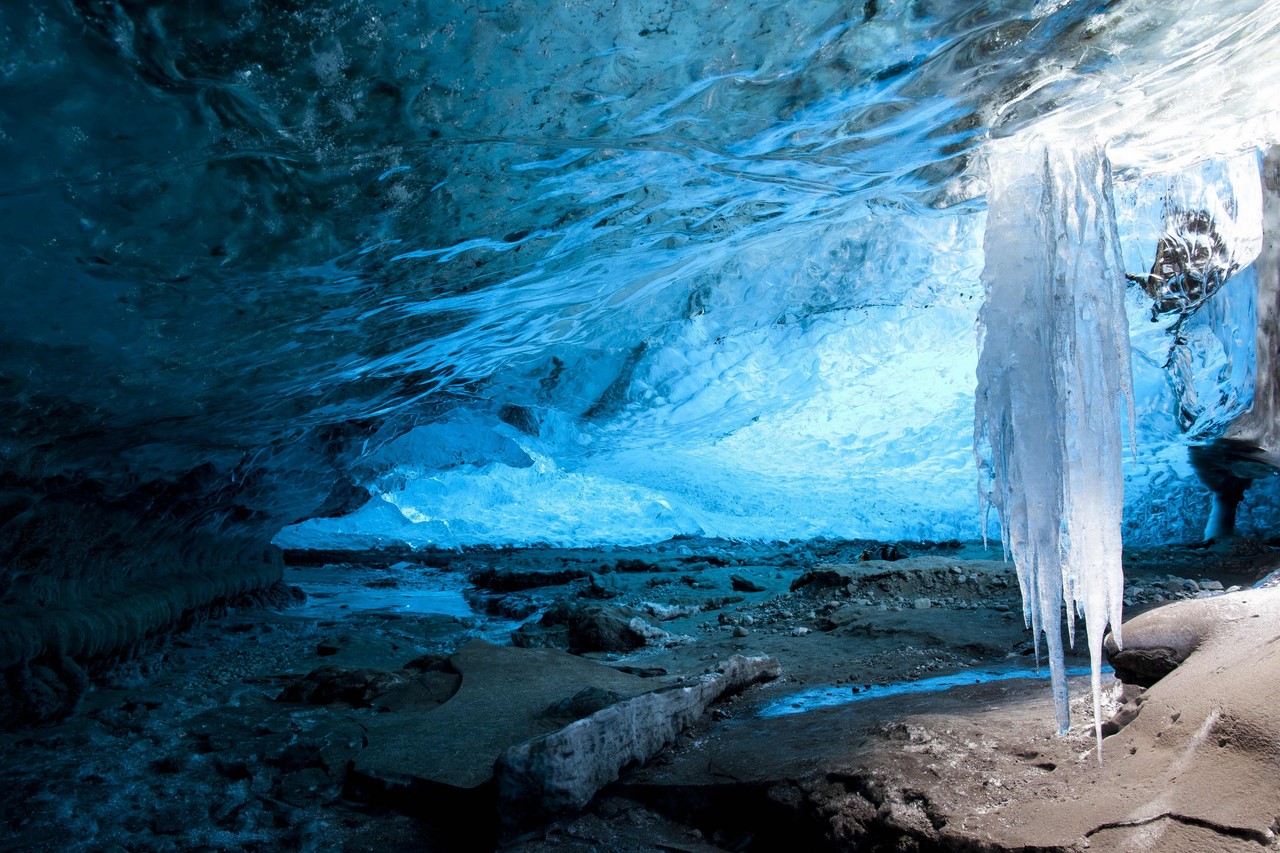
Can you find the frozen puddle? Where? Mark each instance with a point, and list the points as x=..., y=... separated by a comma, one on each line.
x=334, y=590
x=827, y=697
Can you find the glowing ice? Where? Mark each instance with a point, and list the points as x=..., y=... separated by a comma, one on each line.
x=1052, y=375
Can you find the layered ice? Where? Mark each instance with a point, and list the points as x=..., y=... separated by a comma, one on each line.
x=820, y=383
x=1053, y=384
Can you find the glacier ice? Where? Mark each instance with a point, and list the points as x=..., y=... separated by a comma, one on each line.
x=342, y=226
x=1248, y=450
x=1053, y=381
x=1261, y=423
x=848, y=345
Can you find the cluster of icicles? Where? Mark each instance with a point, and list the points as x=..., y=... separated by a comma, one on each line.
x=1054, y=382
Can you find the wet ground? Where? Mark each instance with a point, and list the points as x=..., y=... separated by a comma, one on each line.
x=283, y=729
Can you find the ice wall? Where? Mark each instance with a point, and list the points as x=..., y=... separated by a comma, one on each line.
x=1261, y=424
x=849, y=346
x=1053, y=381
x=818, y=383
x=1194, y=347
x=1193, y=329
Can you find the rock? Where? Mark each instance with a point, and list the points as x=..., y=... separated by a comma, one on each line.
x=600, y=586
x=740, y=631
x=641, y=671
x=634, y=566
x=838, y=618
x=650, y=633
x=820, y=578
x=1127, y=713
x=799, y=632
x=586, y=628
x=510, y=578
x=356, y=687
x=741, y=584
x=1211, y=586
x=921, y=603
x=715, y=602
x=585, y=702
x=665, y=612
x=540, y=636
x=1145, y=666
x=309, y=786
x=422, y=693
x=430, y=663
x=563, y=770
x=1157, y=641
x=603, y=629
x=883, y=552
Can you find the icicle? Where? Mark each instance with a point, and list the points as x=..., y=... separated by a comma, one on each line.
x=1053, y=369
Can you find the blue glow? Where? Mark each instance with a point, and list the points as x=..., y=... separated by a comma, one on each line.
x=829, y=697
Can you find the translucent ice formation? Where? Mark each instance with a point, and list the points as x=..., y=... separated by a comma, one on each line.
x=1053, y=381
x=1192, y=315
x=1261, y=424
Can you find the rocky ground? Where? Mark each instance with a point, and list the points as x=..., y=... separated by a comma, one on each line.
x=768, y=679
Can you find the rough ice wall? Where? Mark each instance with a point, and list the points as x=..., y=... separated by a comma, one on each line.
x=1261, y=425
x=1194, y=348
x=818, y=383
x=850, y=346
x=1053, y=380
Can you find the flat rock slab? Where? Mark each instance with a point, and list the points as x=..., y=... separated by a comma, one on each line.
x=503, y=700
x=563, y=770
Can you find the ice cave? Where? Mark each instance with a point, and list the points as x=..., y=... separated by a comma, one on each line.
x=665, y=425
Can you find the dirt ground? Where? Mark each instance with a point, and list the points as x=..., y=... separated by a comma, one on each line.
x=369, y=718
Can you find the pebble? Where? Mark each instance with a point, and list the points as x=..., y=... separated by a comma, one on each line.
x=740, y=631
x=921, y=603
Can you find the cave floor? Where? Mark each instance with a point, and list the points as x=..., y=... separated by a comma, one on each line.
x=341, y=724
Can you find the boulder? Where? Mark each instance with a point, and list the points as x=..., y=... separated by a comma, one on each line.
x=1157, y=641
x=586, y=627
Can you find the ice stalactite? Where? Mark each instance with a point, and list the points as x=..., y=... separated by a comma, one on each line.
x=1053, y=374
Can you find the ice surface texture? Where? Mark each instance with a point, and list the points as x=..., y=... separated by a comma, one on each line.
x=1053, y=382
x=641, y=268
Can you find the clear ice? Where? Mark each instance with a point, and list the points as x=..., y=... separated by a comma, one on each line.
x=1053, y=381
